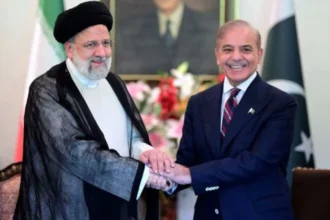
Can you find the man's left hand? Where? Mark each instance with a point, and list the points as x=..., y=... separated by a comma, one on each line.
x=158, y=161
x=158, y=182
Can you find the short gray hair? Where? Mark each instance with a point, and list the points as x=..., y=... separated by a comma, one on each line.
x=72, y=39
x=234, y=23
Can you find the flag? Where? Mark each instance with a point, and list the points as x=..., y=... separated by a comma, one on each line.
x=45, y=52
x=282, y=69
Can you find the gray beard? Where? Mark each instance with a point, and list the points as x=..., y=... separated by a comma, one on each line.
x=84, y=67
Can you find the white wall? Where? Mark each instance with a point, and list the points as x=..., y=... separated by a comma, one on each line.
x=16, y=25
x=314, y=42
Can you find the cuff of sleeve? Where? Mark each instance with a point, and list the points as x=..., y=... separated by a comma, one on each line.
x=137, y=181
x=143, y=182
x=201, y=181
x=195, y=181
x=171, y=191
x=139, y=147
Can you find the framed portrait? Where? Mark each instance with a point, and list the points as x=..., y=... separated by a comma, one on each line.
x=154, y=36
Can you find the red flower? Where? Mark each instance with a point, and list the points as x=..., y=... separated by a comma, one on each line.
x=157, y=140
x=167, y=97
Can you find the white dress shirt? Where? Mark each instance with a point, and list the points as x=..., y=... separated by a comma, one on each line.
x=110, y=117
x=226, y=91
x=175, y=19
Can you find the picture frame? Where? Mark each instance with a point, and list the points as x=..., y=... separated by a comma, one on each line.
x=136, y=56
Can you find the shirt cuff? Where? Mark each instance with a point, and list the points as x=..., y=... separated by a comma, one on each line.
x=139, y=147
x=143, y=182
x=171, y=191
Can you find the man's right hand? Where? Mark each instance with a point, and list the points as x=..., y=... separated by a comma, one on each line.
x=180, y=175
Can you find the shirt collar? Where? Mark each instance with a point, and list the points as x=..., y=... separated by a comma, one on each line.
x=243, y=86
x=175, y=19
x=89, y=83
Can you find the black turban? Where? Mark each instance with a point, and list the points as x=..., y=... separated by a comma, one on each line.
x=84, y=15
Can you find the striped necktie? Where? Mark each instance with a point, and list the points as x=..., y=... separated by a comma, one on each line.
x=228, y=111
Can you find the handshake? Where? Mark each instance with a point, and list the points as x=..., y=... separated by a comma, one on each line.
x=164, y=172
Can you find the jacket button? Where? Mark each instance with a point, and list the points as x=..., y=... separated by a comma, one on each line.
x=216, y=211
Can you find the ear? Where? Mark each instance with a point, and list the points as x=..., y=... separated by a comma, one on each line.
x=68, y=49
x=216, y=52
x=260, y=54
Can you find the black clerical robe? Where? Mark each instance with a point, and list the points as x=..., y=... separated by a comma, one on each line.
x=68, y=170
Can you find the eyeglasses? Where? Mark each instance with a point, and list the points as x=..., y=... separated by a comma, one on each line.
x=95, y=44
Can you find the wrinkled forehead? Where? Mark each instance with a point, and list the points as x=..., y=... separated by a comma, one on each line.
x=239, y=35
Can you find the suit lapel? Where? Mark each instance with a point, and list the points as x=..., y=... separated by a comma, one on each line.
x=211, y=117
x=187, y=31
x=148, y=33
x=254, y=98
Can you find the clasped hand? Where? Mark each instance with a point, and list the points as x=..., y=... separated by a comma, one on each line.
x=164, y=171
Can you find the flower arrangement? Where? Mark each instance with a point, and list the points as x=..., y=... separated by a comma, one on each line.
x=162, y=107
x=162, y=110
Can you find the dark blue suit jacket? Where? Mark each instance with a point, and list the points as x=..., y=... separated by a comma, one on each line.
x=243, y=176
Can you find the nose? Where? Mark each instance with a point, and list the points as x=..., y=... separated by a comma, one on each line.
x=236, y=55
x=102, y=51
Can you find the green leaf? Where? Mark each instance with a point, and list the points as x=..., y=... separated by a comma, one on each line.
x=158, y=109
x=183, y=67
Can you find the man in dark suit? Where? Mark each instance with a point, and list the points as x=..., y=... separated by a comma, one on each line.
x=237, y=136
x=166, y=37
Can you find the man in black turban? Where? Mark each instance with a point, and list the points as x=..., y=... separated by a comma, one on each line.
x=83, y=134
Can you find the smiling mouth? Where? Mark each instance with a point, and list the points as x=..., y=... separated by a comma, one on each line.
x=97, y=63
x=236, y=67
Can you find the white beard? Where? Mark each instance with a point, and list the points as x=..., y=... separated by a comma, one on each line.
x=84, y=67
